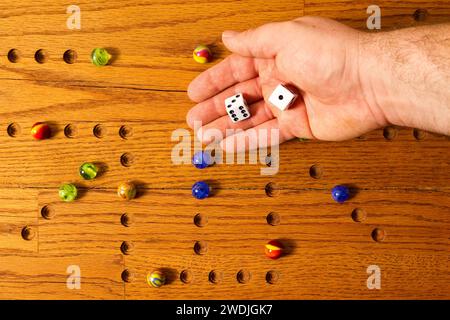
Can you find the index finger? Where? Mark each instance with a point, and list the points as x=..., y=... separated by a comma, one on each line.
x=232, y=70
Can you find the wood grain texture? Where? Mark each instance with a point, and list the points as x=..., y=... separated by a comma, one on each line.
x=45, y=276
x=150, y=147
x=310, y=279
x=414, y=219
x=402, y=185
x=17, y=211
x=153, y=40
x=394, y=14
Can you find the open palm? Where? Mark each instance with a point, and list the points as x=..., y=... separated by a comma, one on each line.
x=318, y=56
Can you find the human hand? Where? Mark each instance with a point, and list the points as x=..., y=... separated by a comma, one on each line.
x=321, y=57
x=318, y=56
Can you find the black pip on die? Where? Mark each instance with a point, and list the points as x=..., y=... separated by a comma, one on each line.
x=282, y=97
x=237, y=108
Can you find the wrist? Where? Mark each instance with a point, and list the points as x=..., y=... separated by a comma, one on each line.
x=404, y=83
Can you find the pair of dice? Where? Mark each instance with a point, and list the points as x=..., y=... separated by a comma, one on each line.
x=237, y=108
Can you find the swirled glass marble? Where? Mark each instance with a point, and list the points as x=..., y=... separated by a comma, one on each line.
x=126, y=191
x=100, y=57
x=88, y=171
x=274, y=249
x=68, y=192
x=41, y=131
x=156, y=279
x=202, y=54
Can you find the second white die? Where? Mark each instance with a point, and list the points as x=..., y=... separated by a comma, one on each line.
x=237, y=108
x=282, y=97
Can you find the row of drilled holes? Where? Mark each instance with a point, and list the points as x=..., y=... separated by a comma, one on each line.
x=99, y=131
x=125, y=132
x=70, y=56
x=41, y=56
x=200, y=220
x=274, y=219
x=357, y=215
x=215, y=276
x=201, y=247
x=71, y=131
x=390, y=133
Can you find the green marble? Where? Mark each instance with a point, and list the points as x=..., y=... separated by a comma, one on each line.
x=100, y=57
x=88, y=171
x=68, y=192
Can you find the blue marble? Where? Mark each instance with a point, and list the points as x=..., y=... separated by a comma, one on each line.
x=201, y=159
x=340, y=193
x=200, y=190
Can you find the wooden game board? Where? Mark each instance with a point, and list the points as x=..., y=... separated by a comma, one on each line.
x=401, y=176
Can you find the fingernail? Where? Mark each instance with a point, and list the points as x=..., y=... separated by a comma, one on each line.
x=229, y=34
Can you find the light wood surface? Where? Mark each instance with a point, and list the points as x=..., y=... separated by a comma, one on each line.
x=401, y=185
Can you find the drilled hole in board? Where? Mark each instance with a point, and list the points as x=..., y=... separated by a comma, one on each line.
x=200, y=247
x=273, y=218
x=186, y=276
x=70, y=56
x=47, y=212
x=378, y=235
x=420, y=14
x=200, y=220
x=28, y=233
x=316, y=171
x=125, y=132
x=99, y=131
x=71, y=131
x=272, y=189
x=126, y=219
x=243, y=276
x=41, y=56
x=272, y=277
x=13, y=55
x=390, y=133
x=359, y=215
x=215, y=276
x=127, y=275
x=13, y=130
x=419, y=134
x=127, y=247
x=361, y=138
x=127, y=160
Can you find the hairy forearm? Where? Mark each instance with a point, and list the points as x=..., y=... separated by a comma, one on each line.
x=406, y=74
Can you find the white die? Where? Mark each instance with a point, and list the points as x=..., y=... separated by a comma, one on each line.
x=237, y=108
x=282, y=97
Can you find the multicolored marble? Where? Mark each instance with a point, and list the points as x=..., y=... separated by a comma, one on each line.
x=274, y=249
x=41, y=131
x=156, y=279
x=126, y=191
x=202, y=54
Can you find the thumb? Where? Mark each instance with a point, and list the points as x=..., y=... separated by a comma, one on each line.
x=263, y=42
